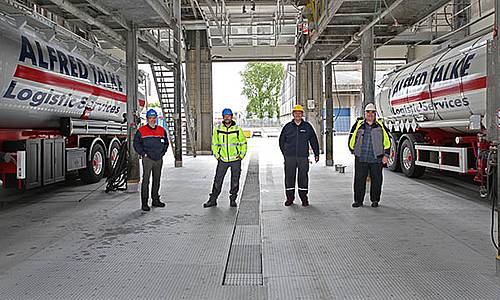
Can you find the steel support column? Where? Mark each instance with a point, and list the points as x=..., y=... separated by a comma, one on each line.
x=329, y=114
x=367, y=57
x=496, y=97
x=178, y=84
x=132, y=119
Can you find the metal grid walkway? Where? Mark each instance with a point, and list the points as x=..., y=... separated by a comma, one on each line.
x=421, y=243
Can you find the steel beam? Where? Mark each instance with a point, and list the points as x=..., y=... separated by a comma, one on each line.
x=329, y=114
x=108, y=32
x=72, y=9
x=369, y=26
x=110, y=13
x=132, y=118
x=367, y=70
x=162, y=11
x=218, y=23
x=330, y=11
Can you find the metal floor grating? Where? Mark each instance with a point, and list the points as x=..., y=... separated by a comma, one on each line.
x=244, y=263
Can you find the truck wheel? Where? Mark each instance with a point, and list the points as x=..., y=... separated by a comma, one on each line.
x=95, y=166
x=407, y=159
x=394, y=158
x=114, y=149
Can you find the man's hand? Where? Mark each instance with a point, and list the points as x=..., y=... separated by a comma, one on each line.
x=316, y=158
x=385, y=160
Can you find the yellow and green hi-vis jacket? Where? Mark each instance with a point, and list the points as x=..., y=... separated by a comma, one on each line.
x=229, y=143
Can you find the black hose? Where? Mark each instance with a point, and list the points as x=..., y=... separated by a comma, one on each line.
x=491, y=183
x=117, y=179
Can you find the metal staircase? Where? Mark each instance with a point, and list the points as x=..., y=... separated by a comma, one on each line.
x=164, y=78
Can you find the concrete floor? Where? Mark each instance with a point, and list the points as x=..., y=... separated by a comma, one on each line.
x=421, y=243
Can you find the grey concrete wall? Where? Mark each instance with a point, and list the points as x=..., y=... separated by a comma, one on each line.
x=199, y=89
x=310, y=91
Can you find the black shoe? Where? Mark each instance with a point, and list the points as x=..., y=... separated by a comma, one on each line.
x=209, y=203
x=357, y=204
x=288, y=202
x=375, y=204
x=232, y=203
x=158, y=204
x=145, y=207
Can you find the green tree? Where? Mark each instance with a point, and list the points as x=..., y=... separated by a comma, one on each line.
x=153, y=104
x=262, y=86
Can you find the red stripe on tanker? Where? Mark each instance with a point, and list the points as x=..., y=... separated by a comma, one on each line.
x=450, y=85
x=42, y=82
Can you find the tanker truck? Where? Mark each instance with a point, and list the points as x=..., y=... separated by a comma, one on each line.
x=62, y=108
x=438, y=113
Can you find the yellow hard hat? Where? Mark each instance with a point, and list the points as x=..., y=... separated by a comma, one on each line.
x=298, y=107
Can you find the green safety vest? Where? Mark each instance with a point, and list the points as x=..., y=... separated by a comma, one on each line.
x=355, y=140
x=229, y=143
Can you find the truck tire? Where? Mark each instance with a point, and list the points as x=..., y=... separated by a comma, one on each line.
x=394, y=158
x=114, y=149
x=407, y=158
x=94, y=171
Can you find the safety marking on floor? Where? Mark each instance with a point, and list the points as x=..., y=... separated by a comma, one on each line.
x=244, y=262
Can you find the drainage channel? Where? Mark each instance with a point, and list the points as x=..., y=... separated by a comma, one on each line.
x=244, y=263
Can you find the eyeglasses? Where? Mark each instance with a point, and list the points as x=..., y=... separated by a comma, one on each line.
x=371, y=111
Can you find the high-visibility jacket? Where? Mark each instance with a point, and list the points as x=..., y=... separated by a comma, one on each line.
x=229, y=143
x=380, y=138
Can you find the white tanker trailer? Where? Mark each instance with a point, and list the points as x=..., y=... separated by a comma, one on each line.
x=61, y=108
x=436, y=110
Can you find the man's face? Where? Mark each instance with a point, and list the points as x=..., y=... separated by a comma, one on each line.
x=228, y=119
x=152, y=121
x=297, y=115
x=370, y=115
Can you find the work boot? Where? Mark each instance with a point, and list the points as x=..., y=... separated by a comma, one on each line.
x=145, y=207
x=288, y=202
x=232, y=203
x=210, y=203
x=305, y=201
x=158, y=203
x=375, y=204
x=357, y=204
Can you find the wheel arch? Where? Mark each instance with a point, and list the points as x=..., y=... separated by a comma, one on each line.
x=90, y=142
